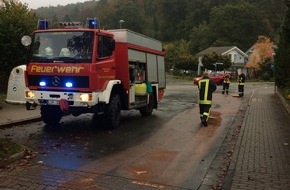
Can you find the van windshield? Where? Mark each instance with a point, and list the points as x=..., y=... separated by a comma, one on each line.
x=62, y=46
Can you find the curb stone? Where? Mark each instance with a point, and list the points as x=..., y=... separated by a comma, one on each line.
x=20, y=122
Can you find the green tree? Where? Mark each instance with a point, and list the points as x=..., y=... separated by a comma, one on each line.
x=66, y=18
x=282, y=58
x=16, y=20
x=186, y=62
x=129, y=12
x=151, y=14
x=172, y=15
x=210, y=60
x=237, y=24
x=170, y=56
x=178, y=56
x=199, y=39
x=171, y=20
x=275, y=12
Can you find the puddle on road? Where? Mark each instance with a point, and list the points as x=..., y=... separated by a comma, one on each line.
x=215, y=118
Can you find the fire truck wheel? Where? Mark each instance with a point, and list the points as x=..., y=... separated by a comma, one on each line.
x=50, y=115
x=113, y=113
x=147, y=110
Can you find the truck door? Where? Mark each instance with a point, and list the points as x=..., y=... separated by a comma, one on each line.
x=105, y=61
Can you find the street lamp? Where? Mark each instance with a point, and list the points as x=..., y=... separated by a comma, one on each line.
x=121, y=21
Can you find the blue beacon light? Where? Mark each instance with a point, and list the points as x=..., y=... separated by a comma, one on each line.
x=42, y=24
x=92, y=23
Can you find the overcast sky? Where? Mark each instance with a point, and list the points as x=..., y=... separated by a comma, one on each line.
x=34, y=4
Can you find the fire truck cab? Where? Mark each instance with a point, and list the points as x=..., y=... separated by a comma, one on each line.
x=76, y=70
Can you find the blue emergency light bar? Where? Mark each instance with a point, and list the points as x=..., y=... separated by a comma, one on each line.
x=92, y=23
x=42, y=24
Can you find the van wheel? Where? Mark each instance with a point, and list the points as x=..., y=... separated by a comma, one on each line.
x=50, y=115
x=147, y=110
x=113, y=113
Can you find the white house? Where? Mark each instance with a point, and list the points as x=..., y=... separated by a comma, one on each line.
x=237, y=56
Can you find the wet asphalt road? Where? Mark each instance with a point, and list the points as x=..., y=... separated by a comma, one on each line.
x=170, y=147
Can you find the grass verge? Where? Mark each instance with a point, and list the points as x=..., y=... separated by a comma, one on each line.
x=8, y=148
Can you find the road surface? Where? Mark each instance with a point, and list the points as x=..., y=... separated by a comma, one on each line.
x=168, y=150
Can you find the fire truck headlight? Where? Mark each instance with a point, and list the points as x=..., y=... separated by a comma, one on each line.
x=86, y=97
x=29, y=94
x=42, y=83
x=69, y=84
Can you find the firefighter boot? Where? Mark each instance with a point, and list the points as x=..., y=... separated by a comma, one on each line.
x=203, y=121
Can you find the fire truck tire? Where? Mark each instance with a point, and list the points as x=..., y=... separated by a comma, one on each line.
x=50, y=115
x=113, y=113
x=147, y=110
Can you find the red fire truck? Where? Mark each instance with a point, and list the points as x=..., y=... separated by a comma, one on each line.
x=75, y=70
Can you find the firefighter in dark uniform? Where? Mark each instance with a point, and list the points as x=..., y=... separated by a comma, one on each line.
x=242, y=79
x=226, y=84
x=206, y=87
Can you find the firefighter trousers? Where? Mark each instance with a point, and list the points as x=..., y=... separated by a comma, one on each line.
x=241, y=90
x=226, y=87
x=204, y=110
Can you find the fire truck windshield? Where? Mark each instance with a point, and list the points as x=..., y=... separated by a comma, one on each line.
x=62, y=46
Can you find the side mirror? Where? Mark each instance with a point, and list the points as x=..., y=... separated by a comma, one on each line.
x=26, y=40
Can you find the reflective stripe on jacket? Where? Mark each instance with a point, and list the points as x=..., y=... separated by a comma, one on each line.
x=206, y=88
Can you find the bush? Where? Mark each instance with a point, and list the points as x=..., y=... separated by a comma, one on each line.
x=266, y=76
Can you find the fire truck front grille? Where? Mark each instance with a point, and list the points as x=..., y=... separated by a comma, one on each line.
x=59, y=81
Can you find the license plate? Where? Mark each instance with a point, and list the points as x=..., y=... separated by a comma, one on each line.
x=53, y=102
